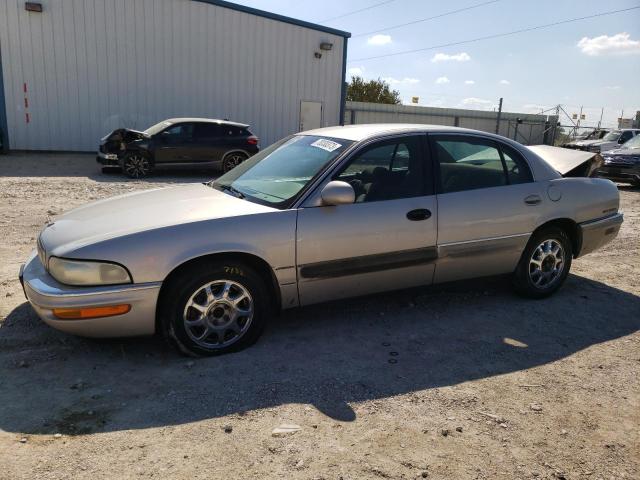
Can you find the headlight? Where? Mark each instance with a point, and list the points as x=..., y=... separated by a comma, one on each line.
x=87, y=273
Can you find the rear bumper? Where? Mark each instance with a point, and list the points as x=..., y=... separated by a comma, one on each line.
x=45, y=293
x=597, y=233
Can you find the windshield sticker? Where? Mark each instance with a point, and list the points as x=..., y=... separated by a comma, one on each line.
x=327, y=145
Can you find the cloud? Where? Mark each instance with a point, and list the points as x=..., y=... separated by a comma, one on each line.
x=469, y=82
x=613, y=87
x=379, y=40
x=534, y=108
x=442, y=80
x=458, y=57
x=505, y=82
x=355, y=72
x=618, y=44
x=404, y=81
x=478, y=103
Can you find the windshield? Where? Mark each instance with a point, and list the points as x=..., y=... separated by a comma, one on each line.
x=157, y=128
x=278, y=173
x=633, y=143
x=612, y=136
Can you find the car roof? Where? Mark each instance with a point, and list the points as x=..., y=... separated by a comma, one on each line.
x=365, y=131
x=206, y=120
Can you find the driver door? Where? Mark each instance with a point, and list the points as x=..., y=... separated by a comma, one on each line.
x=386, y=240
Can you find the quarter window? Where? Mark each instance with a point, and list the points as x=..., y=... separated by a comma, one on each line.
x=468, y=163
x=386, y=171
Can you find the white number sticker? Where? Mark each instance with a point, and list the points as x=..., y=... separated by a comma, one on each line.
x=327, y=145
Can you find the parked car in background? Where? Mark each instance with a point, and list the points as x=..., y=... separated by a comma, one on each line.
x=588, y=136
x=321, y=215
x=622, y=164
x=610, y=141
x=183, y=142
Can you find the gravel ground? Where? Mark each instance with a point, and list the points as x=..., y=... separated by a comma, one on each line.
x=460, y=381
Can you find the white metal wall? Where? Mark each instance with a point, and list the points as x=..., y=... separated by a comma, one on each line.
x=530, y=132
x=94, y=65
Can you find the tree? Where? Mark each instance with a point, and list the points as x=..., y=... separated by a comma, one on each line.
x=373, y=91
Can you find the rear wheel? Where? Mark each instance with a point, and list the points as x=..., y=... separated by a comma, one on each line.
x=232, y=160
x=137, y=165
x=214, y=308
x=545, y=263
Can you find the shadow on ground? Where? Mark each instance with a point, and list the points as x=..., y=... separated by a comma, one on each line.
x=327, y=356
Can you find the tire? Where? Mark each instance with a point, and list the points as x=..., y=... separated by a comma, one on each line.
x=205, y=323
x=232, y=160
x=544, y=267
x=137, y=165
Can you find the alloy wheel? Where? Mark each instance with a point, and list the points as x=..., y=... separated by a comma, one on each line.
x=232, y=161
x=137, y=166
x=218, y=314
x=546, y=263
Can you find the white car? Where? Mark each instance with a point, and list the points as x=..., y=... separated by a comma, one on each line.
x=613, y=140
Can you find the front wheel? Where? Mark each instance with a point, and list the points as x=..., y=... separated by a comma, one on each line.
x=137, y=165
x=545, y=263
x=232, y=160
x=214, y=308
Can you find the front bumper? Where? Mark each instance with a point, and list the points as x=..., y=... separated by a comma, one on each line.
x=597, y=233
x=45, y=293
x=108, y=159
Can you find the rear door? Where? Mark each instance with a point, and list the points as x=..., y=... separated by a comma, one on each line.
x=208, y=142
x=488, y=205
x=385, y=240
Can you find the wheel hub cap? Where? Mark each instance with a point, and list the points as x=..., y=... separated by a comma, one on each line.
x=546, y=263
x=218, y=314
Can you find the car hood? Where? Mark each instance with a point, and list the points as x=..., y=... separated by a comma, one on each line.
x=141, y=211
x=585, y=143
x=562, y=160
x=635, y=151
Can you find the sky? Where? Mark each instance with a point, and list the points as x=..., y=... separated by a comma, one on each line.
x=592, y=63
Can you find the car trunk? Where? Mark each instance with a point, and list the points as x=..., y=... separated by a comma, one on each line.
x=567, y=162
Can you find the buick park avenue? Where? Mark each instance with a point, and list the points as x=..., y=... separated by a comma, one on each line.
x=321, y=215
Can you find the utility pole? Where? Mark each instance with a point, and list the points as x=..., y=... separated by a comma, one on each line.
x=601, y=114
x=498, y=117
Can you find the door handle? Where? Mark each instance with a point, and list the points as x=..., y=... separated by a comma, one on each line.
x=419, y=214
x=533, y=200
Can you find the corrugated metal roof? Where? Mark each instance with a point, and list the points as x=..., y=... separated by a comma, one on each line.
x=275, y=16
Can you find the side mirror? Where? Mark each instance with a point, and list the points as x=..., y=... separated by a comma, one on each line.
x=338, y=193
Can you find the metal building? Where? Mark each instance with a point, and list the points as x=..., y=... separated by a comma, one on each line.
x=77, y=69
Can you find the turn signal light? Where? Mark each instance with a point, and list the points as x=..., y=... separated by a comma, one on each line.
x=90, y=312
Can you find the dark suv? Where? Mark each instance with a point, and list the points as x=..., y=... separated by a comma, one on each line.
x=188, y=142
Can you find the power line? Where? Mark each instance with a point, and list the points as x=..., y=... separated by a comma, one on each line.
x=356, y=11
x=497, y=35
x=426, y=19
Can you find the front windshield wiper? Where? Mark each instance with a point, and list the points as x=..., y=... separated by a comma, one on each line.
x=233, y=191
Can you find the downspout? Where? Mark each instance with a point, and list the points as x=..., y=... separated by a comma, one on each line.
x=343, y=92
x=4, y=133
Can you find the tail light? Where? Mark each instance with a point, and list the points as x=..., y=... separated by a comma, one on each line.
x=253, y=140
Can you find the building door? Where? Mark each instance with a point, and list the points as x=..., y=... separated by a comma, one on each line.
x=310, y=115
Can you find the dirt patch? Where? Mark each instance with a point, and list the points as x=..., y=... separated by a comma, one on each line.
x=456, y=381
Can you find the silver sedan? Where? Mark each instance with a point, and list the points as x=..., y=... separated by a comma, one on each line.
x=321, y=215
